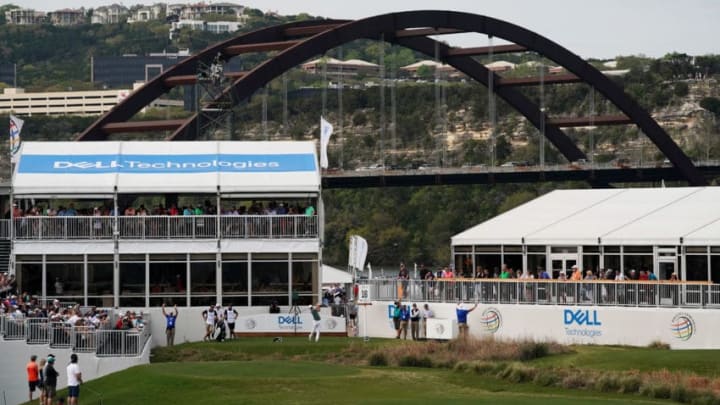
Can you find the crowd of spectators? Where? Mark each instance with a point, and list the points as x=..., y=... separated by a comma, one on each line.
x=206, y=208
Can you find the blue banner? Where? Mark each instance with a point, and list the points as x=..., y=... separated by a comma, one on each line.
x=163, y=164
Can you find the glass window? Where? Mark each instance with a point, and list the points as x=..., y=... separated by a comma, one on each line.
x=563, y=249
x=490, y=262
x=132, y=284
x=100, y=279
x=168, y=278
x=715, y=269
x=269, y=278
x=536, y=264
x=302, y=277
x=202, y=283
x=612, y=262
x=637, y=249
x=65, y=279
x=696, y=268
x=463, y=265
x=30, y=280
x=514, y=262
x=592, y=262
x=536, y=249
x=637, y=263
x=234, y=278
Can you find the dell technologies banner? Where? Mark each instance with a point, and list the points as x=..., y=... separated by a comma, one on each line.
x=164, y=164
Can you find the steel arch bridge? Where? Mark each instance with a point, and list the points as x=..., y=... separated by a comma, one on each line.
x=299, y=41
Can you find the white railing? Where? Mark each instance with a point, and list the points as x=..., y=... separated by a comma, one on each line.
x=550, y=292
x=80, y=339
x=158, y=227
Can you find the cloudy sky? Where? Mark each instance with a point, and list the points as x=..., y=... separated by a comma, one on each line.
x=600, y=29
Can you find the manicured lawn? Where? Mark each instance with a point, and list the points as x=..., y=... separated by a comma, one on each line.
x=283, y=381
x=704, y=362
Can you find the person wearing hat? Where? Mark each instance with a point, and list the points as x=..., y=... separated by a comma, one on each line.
x=51, y=376
x=315, y=312
x=576, y=275
x=462, y=314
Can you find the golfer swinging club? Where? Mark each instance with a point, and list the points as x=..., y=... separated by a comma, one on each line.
x=315, y=311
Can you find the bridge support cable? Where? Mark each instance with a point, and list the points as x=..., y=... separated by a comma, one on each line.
x=339, y=137
x=382, y=98
x=543, y=113
x=491, y=106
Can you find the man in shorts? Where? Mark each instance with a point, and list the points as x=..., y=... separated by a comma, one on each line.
x=51, y=376
x=74, y=379
x=33, y=375
x=209, y=316
x=230, y=317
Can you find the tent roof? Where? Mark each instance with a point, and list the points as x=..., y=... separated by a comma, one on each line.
x=332, y=275
x=100, y=168
x=642, y=216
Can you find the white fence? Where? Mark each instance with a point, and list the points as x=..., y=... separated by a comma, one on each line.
x=80, y=339
x=550, y=292
x=162, y=227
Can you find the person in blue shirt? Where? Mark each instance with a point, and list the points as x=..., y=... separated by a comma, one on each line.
x=404, y=319
x=170, y=319
x=462, y=314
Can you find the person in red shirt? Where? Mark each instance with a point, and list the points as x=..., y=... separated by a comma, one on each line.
x=33, y=375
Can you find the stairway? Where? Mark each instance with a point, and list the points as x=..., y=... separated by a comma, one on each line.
x=4, y=255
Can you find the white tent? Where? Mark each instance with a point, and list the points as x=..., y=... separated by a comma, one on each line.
x=640, y=216
x=103, y=168
x=333, y=275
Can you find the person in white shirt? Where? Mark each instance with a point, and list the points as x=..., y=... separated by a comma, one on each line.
x=74, y=378
x=209, y=316
x=230, y=317
x=426, y=314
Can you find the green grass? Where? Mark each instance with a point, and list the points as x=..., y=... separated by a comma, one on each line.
x=255, y=370
x=282, y=381
x=606, y=358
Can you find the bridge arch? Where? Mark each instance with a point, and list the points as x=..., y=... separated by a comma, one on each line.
x=410, y=29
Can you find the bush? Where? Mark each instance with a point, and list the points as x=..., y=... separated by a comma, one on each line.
x=679, y=393
x=573, y=381
x=519, y=373
x=659, y=345
x=654, y=390
x=378, y=359
x=413, y=361
x=546, y=379
x=630, y=384
x=533, y=350
x=607, y=383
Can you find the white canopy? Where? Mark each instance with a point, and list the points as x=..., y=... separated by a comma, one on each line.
x=101, y=168
x=641, y=216
x=332, y=275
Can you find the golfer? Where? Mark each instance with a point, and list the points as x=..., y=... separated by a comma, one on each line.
x=315, y=311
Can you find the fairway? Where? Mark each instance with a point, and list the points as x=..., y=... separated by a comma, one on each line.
x=255, y=370
x=282, y=381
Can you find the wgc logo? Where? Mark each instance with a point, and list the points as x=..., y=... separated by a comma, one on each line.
x=682, y=326
x=491, y=320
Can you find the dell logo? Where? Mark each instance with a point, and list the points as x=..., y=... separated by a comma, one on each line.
x=581, y=317
x=61, y=164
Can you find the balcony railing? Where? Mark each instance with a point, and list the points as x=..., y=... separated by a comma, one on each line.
x=80, y=339
x=163, y=227
x=550, y=292
x=4, y=229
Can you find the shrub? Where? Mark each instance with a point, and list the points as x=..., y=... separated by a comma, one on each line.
x=630, y=384
x=607, y=383
x=659, y=345
x=533, y=350
x=546, y=378
x=378, y=359
x=573, y=381
x=413, y=361
x=518, y=373
x=679, y=393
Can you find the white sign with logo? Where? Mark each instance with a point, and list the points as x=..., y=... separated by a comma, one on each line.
x=364, y=296
x=445, y=329
x=287, y=323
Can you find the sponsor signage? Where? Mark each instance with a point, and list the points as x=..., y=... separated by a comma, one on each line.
x=163, y=164
x=582, y=323
x=364, y=294
x=491, y=320
x=301, y=323
x=683, y=326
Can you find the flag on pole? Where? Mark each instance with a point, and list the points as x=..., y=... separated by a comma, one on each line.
x=326, y=130
x=16, y=125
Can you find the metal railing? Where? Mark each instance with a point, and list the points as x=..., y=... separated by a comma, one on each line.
x=162, y=227
x=80, y=339
x=551, y=292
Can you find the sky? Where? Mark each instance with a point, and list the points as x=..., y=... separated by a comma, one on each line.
x=593, y=29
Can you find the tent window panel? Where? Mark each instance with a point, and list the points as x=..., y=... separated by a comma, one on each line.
x=463, y=265
x=514, y=262
x=715, y=269
x=536, y=249
x=612, y=262
x=269, y=277
x=592, y=262
x=490, y=262
x=235, y=277
x=30, y=279
x=302, y=276
x=536, y=264
x=637, y=249
x=65, y=279
x=696, y=268
x=132, y=284
x=100, y=279
x=202, y=279
x=637, y=263
x=168, y=278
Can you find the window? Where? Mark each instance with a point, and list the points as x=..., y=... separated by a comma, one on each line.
x=696, y=267
x=302, y=282
x=168, y=283
x=100, y=281
x=132, y=284
x=536, y=264
x=202, y=283
x=65, y=280
x=30, y=279
x=269, y=282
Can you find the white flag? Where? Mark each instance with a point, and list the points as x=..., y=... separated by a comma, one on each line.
x=16, y=125
x=361, y=252
x=326, y=130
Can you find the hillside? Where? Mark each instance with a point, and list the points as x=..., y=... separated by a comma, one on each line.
x=444, y=123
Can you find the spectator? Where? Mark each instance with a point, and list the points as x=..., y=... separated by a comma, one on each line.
x=404, y=319
x=41, y=380
x=51, y=376
x=415, y=322
x=576, y=274
x=230, y=317
x=74, y=378
x=209, y=316
x=396, y=318
x=403, y=277
x=170, y=319
x=33, y=375
x=427, y=313
x=274, y=308
x=462, y=314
